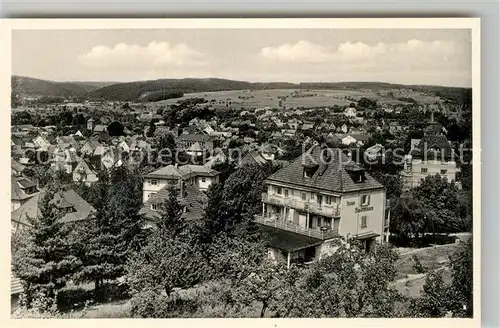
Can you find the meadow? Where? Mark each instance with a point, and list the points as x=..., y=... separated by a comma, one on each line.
x=290, y=98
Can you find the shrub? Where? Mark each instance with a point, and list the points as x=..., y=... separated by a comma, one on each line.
x=153, y=304
x=417, y=266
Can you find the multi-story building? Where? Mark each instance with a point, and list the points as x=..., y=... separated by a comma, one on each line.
x=190, y=182
x=429, y=156
x=171, y=175
x=195, y=144
x=320, y=196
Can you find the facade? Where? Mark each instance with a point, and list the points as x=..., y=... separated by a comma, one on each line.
x=309, y=203
x=84, y=173
x=202, y=142
x=429, y=156
x=170, y=175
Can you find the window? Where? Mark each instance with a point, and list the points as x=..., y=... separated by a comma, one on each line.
x=286, y=192
x=328, y=200
x=444, y=171
x=151, y=194
x=364, y=222
x=423, y=170
x=365, y=200
x=153, y=207
x=153, y=182
x=172, y=182
x=319, y=199
x=278, y=190
x=203, y=180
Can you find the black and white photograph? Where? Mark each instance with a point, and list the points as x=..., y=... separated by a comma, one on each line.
x=236, y=168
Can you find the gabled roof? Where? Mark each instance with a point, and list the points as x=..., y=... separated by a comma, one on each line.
x=194, y=137
x=16, y=166
x=195, y=147
x=331, y=176
x=437, y=142
x=67, y=197
x=182, y=172
x=252, y=157
x=193, y=200
x=17, y=188
x=101, y=128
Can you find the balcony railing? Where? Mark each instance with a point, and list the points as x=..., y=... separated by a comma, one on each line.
x=279, y=223
x=307, y=206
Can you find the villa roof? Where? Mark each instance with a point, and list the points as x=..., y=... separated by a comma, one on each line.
x=332, y=175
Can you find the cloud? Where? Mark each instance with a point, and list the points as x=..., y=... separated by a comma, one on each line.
x=155, y=55
x=413, y=52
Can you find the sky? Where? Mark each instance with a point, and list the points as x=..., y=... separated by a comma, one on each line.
x=406, y=56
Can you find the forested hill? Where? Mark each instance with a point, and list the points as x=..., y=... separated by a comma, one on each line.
x=154, y=90
x=27, y=86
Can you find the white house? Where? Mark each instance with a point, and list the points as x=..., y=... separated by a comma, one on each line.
x=350, y=112
x=195, y=175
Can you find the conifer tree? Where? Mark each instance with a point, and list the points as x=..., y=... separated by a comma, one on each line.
x=43, y=260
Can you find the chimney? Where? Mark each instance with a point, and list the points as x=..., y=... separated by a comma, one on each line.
x=432, y=116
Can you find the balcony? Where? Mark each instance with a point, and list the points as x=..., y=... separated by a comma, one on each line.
x=332, y=210
x=279, y=223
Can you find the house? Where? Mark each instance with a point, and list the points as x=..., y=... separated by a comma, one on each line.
x=17, y=169
x=41, y=143
x=307, y=126
x=101, y=131
x=213, y=160
x=89, y=147
x=67, y=200
x=357, y=139
x=350, y=112
x=192, y=200
x=69, y=140
x=374, y=152
x=252, y=157
x=269, y=151
x=318, y=197
x=84, y=173
x=22, y=189
x=185, y=141
x=429, y=156
x=64, y=159
x=110, y=159
x=171, y=175
x=344, y=128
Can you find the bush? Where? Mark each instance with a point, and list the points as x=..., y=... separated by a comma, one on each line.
x=151, y=303
x=41, y=307
x=417, y=266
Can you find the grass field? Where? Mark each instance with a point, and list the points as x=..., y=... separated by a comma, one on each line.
x=248, y=99
x=431, y=258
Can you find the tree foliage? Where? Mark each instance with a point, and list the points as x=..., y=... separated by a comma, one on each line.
x=43, y=260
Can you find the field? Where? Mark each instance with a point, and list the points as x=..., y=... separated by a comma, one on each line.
x=248, y=99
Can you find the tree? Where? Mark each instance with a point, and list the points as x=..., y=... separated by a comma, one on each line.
x=151, y=131
x=171, y=258
x=43, y=260
x=107, y=241
x=116, y=129
x=434, y=300
x=243, y=192
x=462, y=280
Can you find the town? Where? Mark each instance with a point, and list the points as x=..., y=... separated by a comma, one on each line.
x=226, y=203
